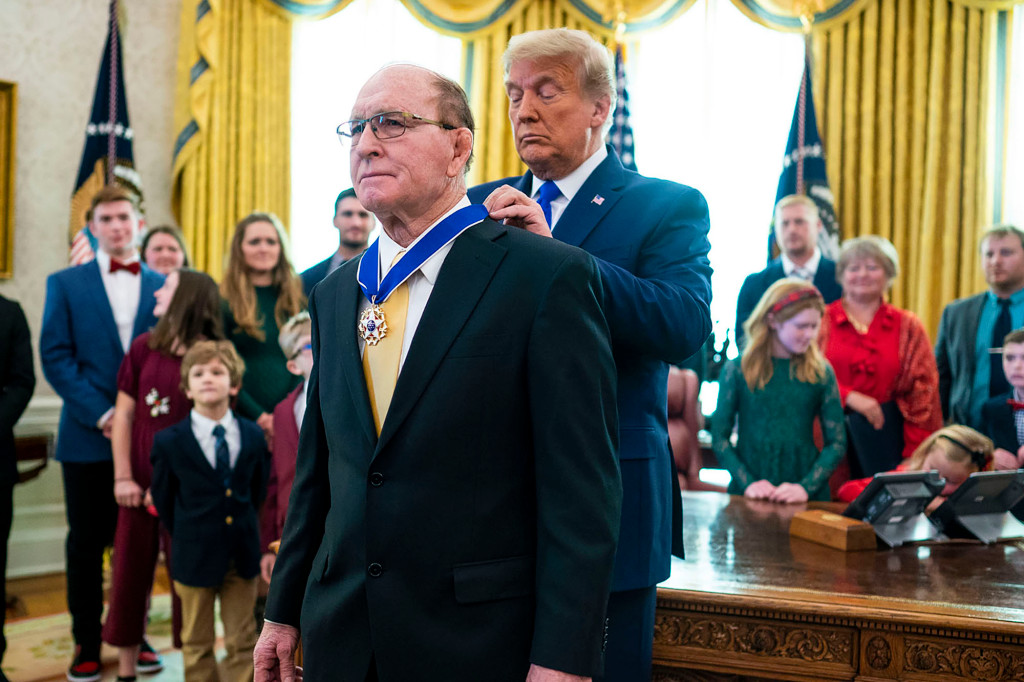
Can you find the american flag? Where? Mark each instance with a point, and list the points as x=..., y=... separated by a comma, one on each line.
x=803, y=170
x=620, y=136
x=107, y=157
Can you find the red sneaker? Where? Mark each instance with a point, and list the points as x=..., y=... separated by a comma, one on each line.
x=149, y=661
x=85, y=667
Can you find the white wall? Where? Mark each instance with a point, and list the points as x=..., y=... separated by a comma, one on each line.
x=52, y=50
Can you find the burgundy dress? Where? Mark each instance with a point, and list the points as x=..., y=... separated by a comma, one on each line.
x=153, y=380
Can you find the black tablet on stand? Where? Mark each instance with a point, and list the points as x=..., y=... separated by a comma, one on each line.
x=980, y=508
x=894, y=505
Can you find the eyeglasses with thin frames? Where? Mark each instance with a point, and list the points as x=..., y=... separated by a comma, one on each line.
x=385, y=126
x=297, y=353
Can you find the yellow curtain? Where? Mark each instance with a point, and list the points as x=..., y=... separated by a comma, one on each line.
x=232, y=151
x=903, y=98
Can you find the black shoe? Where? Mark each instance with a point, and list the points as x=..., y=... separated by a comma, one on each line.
x=148, y=661
x=86, y=666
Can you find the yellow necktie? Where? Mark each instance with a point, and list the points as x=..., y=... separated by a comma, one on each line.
x=380, y=362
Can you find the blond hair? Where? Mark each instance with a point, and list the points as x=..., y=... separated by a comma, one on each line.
x=798, y=200
x=238, y=290
x=960, y=445
x=784, y=299
x=293, y=331
x=871, y=246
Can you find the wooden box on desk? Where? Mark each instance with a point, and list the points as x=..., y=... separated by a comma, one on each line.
x=833, y=530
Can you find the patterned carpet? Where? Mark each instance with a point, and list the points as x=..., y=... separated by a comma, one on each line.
x=40, y=649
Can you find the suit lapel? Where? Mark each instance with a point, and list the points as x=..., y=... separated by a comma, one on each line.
x=348, y=302
x=971, y=318
x=94, y=285
x=192, y=449
x=467, y=270
x=595, y=198
x=149, y=282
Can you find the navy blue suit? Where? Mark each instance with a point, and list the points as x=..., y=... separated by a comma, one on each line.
x=211, y=528
x=649, y=239
x=756, y=284
x=312, y=276
x=81, y=351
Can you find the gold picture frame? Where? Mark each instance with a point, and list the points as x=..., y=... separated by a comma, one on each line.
x=8, y=124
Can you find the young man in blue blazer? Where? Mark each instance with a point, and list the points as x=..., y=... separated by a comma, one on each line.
x=797, y=225
x=92, y=313
x=649, y=240
x=209, y=480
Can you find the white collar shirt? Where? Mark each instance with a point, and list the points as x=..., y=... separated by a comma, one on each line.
x=202, y=429
x=123, y=291
x=299, y=409
x=806, y=271
x=421, y=282
x=571, y=184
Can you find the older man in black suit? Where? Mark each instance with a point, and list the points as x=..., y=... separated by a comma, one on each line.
x=456, y=498
x=797, y=225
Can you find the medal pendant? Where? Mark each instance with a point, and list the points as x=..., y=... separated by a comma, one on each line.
x=372, y=326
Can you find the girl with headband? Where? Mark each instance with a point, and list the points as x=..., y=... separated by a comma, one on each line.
x=775, y=391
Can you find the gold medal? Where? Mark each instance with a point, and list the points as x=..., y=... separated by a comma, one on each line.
x=372, y=326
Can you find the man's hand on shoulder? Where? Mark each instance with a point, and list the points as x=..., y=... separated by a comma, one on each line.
x=274, y=655
x=541, y=674
x=514, y=208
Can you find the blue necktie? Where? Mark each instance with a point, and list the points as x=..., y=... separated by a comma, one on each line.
x=997, y=383
x=548, y=192
x=223, y=456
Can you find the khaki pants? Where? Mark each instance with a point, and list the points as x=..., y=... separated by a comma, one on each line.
x=237, y=599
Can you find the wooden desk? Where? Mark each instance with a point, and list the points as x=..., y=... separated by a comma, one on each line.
x=750, y=603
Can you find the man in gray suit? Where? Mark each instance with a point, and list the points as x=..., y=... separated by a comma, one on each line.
x=969, y=373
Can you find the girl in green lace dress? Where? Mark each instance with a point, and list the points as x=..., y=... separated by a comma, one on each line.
x=776, y=390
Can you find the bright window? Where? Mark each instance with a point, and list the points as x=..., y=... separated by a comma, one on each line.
x=331, y=59
x=712, y=99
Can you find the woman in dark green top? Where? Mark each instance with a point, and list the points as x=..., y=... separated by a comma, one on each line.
x=260, y=292
x=776, y=391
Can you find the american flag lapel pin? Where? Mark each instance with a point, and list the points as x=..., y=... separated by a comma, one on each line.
x=598, y=199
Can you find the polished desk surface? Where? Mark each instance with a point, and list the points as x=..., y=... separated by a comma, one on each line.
x=740, y=550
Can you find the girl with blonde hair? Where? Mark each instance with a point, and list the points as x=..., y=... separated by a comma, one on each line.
x=955, y=451
x=775, y=391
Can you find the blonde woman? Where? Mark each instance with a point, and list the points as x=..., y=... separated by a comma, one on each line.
x=776, y=390
x=260, y=292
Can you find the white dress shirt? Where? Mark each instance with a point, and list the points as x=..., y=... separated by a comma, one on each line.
x=123, y=291
x=299, y=409
x=421, y=282
x=202, y=429
x=810, y=268
x=570, y=184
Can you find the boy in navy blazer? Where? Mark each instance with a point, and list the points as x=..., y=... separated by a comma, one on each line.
x=1003, y=416
x=92, y=313
x=209, y=480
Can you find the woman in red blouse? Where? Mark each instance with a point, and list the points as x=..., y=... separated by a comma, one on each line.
x=879, y=352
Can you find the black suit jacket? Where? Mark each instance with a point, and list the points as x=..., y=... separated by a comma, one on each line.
x=210, y=527
x=313, y=275
x=477, y=533
x=954, y=355
x=998, y=424
x=756, y=284
x=17, y=381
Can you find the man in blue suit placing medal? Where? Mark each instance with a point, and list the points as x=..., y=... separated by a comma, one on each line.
x=649, y=239
x=456, y=498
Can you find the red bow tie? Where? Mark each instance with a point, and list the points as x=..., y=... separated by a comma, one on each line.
x=1015, y=404
x=133, y=268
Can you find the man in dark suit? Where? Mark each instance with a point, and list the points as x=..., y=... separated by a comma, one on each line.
x=17, y=381
x=91, y=315
x=969, y=374
x=797, y=226
x=456, y=499
x=354, y=225
x=649, y=239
